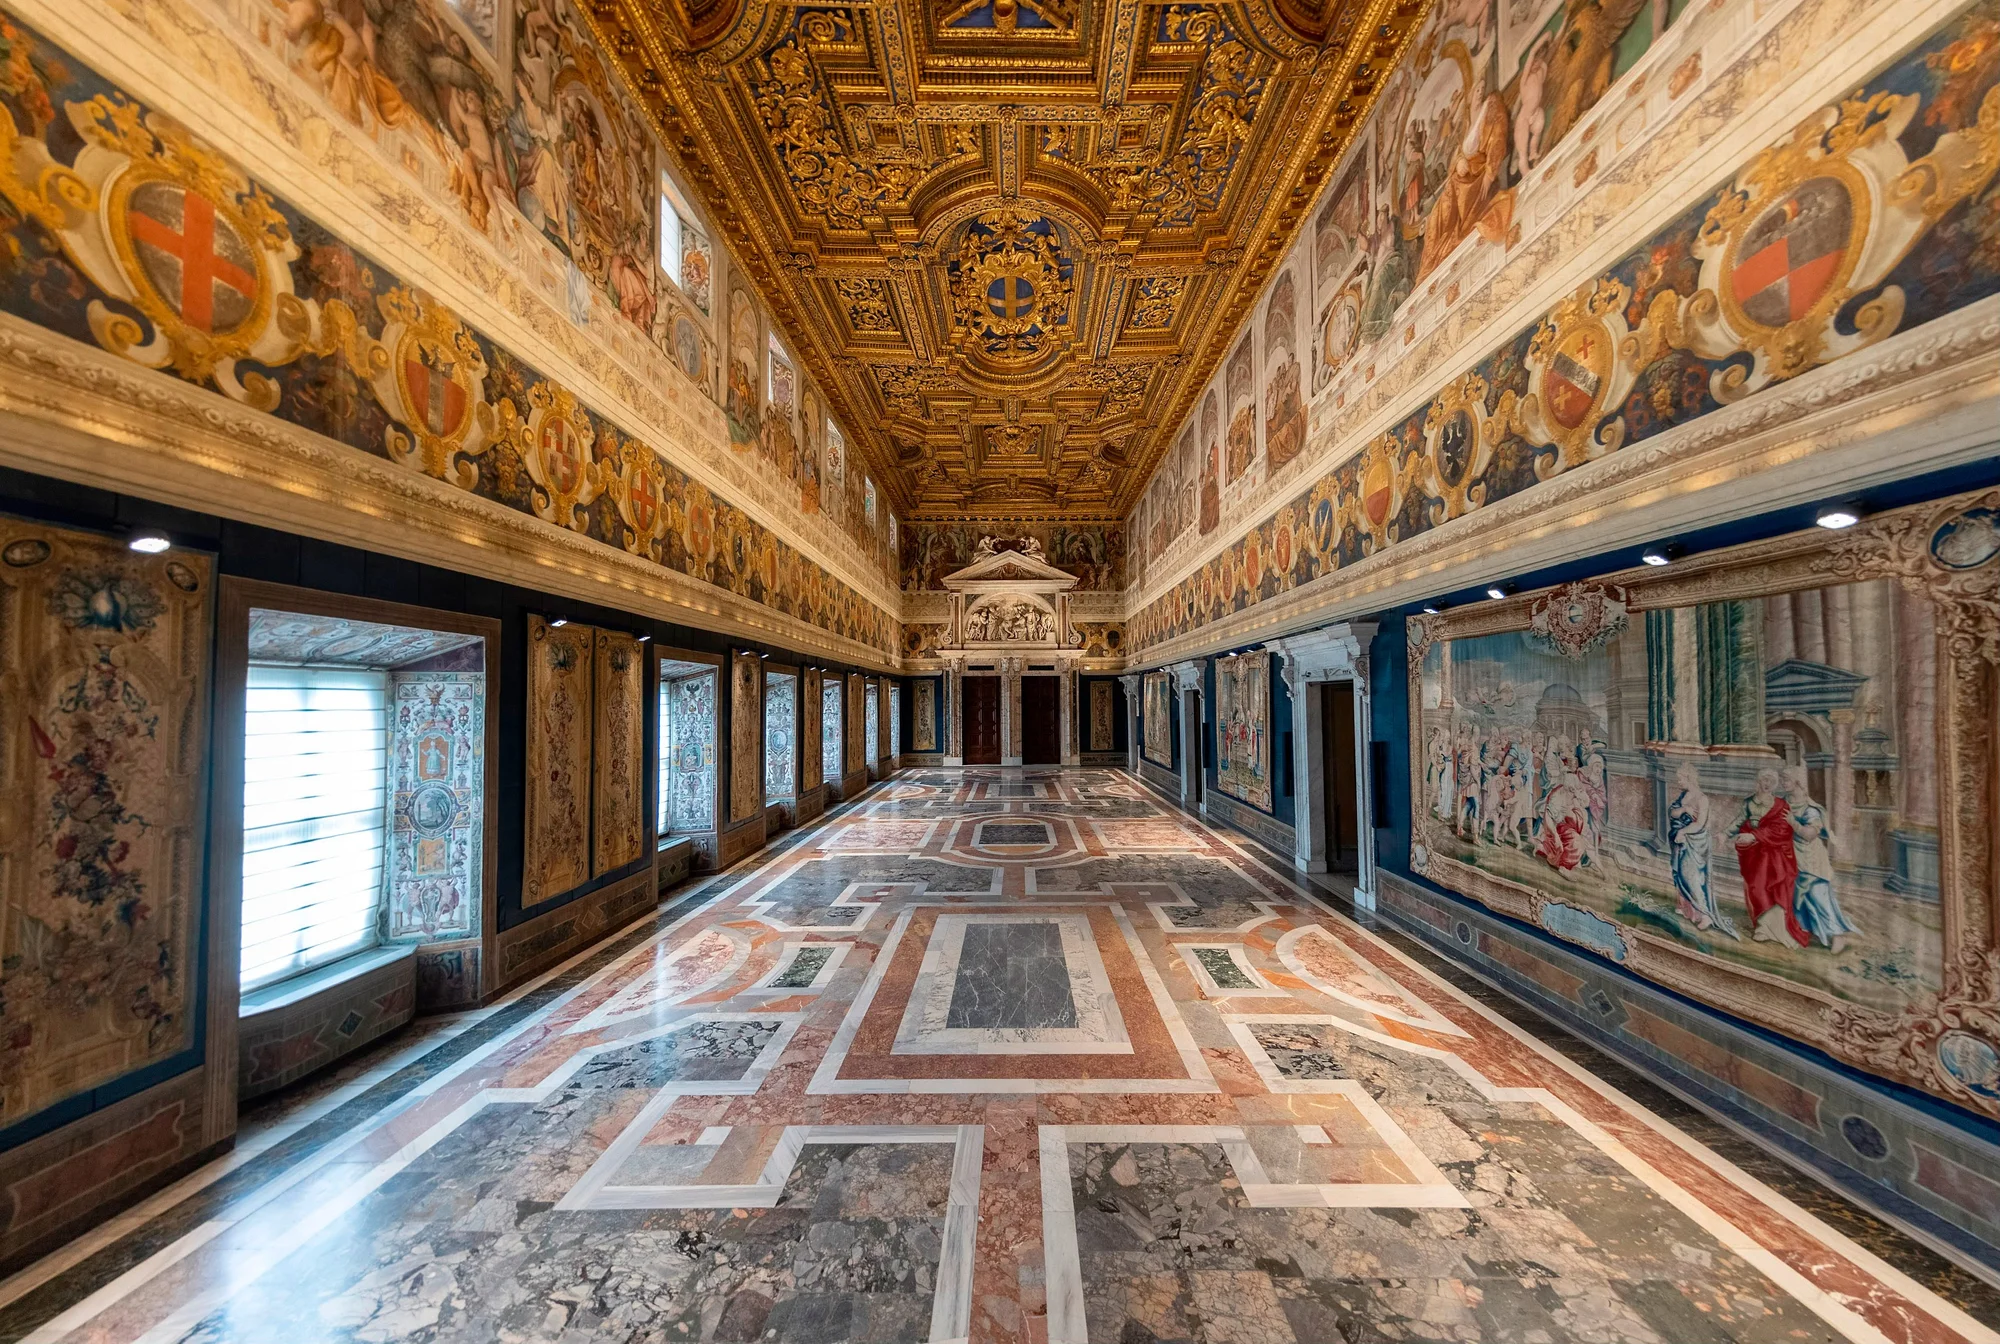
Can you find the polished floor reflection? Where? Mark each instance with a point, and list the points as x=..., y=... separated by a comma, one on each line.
x=992, y=1055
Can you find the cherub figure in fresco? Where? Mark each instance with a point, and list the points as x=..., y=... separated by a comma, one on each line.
x=1531, y=116
x=1693, y=850
x=1764, y=850
x=1813, y=900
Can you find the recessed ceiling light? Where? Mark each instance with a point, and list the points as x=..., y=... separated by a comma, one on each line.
x=1496, y=592
x=1430, y=610
x=1837, y=516
x=1656, y=555
x=150, y=543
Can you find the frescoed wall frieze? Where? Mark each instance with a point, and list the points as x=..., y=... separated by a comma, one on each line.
x=1811, y=250
x=244, y=95
x=290, y=321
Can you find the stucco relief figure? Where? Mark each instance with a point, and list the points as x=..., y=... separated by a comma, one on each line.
x=984, y=550
x=1032, y=548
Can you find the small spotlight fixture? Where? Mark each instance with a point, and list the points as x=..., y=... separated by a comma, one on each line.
x=1656, y=555
x=645, y=639
x=1837, y=516
x=559, y=623
x=1497, y=592
x=149, y=543
x=1430, y=609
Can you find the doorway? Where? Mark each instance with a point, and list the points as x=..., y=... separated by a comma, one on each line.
x=982, y=720
x=1041, y=738
x=1342, y=797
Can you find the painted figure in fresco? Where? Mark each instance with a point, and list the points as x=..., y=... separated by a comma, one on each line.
x=1530, y=114
x=1468, y=197
x=1814, y=901
x=1693, y=848
x=1764, y=851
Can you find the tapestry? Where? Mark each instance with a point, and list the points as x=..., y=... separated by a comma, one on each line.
x=104, y=688
x=1762, y=778
x=1755, y=283
x=811, y=709
x=831, y=715
x=688, y=703
x=618, y=810
x=1102, y=717
x=746, y=736
x=1159, y=718
x=411, y=382
x=781, y=735
x=1243, y=728
x=556, y=853
x=923, y=714
x=436, y=872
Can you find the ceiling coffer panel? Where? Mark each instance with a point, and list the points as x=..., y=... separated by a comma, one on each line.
x=1010, y=237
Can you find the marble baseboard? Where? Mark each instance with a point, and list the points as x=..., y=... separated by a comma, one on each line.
x=1161, y=778
x=55, y=1186
x=744, y=837
x=306, y=1032
x=808, y=806
x=934, y=758
x=1275, y=835
x=854, y=783
x=1911, y=1164
x=1113, y=759
x=674, y=865
x=528, y=949
x=448, y=976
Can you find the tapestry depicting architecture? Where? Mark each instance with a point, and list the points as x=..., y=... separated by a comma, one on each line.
x=689, y=702
x=811, y=756
x=618, y=811
x=1159, y=716
x=104, y=673
x=1764, y=779
x=746, y=736
x=1103, y=717
x=437, y=795
x=556, y=856
x=343, y=347
x=1243, y=728
x=1745, y=289
x=781, y=735
x=923, y=714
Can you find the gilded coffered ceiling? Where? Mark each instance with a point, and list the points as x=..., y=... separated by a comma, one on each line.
x=1012, y=237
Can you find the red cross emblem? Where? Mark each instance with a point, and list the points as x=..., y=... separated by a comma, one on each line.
x=1791, y=252
x=559, y=455
x=644, y=500
x=193, y=257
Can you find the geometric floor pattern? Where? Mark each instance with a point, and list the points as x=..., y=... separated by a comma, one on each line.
x=989, y=1055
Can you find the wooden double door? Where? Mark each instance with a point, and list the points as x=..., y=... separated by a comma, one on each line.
x=982, y=720
x=1041, y=720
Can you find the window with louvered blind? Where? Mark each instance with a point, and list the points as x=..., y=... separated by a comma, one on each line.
x=315, y=781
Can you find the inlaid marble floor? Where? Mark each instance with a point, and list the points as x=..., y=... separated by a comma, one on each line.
x=999, y=1056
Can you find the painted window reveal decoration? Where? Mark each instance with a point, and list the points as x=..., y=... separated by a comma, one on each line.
x=1243, y=728
x=687, y=722
x=557, y=855
x=856, y=721
x=781, y=736
x=871, y=737
x=1764, y=781
x=811, y=754
x=895, y=725
x=923, y=715
x=830, y=735
x=437, y=782
x=1159, y=707
x=620, y=736
x=1103, y=727
x=746, y=736
x=105, y=677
